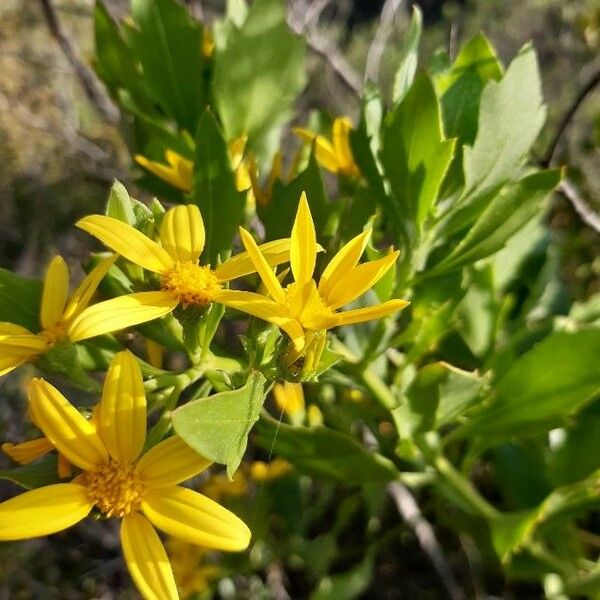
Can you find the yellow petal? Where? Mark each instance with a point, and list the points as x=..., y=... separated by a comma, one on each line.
x=303, y=243
x=29, y=451
x=178, y=172
x=146, y=559
x=56, y=291
x=265, y=309
x=123, y=408
x=170, y=462
x=182, y=233
x=43, y=511
x=119, y=313
x=324, y=150
x=83, y=294
x=275, y=253
x=128, y=241
x=194, y=518
x=18, y=349
x=9, y=363
x=343, y=262
x=66, y=428
x=370, y=313
x=289, y=397
x=10, y=329
x=262, y=267
x=357, y=281
x=340, y=133
x=155, y=353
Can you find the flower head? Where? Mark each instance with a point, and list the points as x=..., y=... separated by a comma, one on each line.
x=335, y=155
x=175, y=258
x=119, y=480
x=305, y=309
x=68, y=318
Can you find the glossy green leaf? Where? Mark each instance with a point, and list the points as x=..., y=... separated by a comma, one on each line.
x=409, y=56
x=35, y=475
x=324, y=452
x=415, y=154
x=258, y=74
x=217, y=427
x=20, y=300
x=168, y=44
x=214, y=192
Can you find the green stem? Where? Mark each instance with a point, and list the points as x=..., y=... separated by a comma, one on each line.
x=381, y=392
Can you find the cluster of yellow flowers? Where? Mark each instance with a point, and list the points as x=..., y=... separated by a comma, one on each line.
x=114, y=472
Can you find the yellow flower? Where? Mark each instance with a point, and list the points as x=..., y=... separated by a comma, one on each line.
x=118, y=482
x=208, y=42
x=303, y=309
x=263, y=193
x=175, y=258
x=289, y=399
x=179, y=171
x=262, y=472
x=65, y=318
x=219, y=486
x=335, y=155
x=192, y=574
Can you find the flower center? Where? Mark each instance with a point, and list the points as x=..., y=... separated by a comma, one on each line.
x=191, y=283
x=54, y=334
x=115, y=489
x=307, y=306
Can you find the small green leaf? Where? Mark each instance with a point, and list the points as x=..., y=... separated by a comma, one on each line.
x=35, y=475
x=119, y=204
x=324, y=452
x=409, y=56
x=20, y=300
x=217, y=427
x=168, y=42
x=415, y=154
x=214, y=192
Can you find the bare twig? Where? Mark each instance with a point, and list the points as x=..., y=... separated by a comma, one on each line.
x=589, y=86
x=276, y=582
x=326, y=50
x=314, y=12
x=410, y=512
x=588, y=216
x=384, y=31
x=88, y=80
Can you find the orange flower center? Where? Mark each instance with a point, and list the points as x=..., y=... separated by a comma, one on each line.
x=191, y=283
x=115, y=489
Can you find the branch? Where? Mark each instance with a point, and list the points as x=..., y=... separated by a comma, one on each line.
x=382, y=35
x=88, y=80
x=411, y=514
x=587, y=214
x=591, y=83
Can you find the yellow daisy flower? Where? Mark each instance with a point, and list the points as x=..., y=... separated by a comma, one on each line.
x=335, y=155
x=120, y=481
x=65, y=318
x=305, y=309
x=175, y=259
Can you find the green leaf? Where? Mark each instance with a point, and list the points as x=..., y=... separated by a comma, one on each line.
x=324, y=452
x=279, y=214
x=508, y=211
x=511, y=116
x=35, y=475
x=217, y=427
x=168, y=42
x=214, y=192
x=119, y=204
x=409, y=56
x=415, y=154
x=258, y=74
x=20, y=300
x=547, y=384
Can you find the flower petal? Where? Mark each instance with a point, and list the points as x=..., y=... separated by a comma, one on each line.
x=194, y=518
x=123, y=408
x=370, y=313
x=66, y=428
x=18, y=349
x=55, y=293
x=289, y=398
x=43, y=511
x=182, y=233
x=29, y=451
x=83, y=294
x=170, y=462
x=265, y=309
x=262, y=267
x=340, y=133
x=146, y=559
x=128, y=241
x=303, y=243
x=119, y=313
x=178, y=172
x=275, y=253
x=343, y=262
x=358, y=280
x=10, y=329
x=324, y=150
